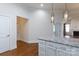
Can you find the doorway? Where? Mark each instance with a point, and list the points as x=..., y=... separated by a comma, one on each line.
x=22, y=31
x=67, y=30
x=23, y=48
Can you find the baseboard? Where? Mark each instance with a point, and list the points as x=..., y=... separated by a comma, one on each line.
x=22, y=41
x=32, y=41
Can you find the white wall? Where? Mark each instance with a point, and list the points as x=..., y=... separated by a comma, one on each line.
x=39, y=22
x=74, y=25
x=39, y=25
x=12, y=11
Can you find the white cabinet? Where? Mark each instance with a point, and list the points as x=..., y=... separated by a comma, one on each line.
x=47, y=48
x=41, y=48
x=75, y=51
x=63, y=50
x=60, y=52
x=50, y=51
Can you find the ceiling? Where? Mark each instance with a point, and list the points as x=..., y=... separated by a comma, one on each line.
x=73, y=8
x=35, y=5
x=70, y=6
x=46, y=5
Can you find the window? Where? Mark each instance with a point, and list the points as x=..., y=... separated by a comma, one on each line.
x=67, y=27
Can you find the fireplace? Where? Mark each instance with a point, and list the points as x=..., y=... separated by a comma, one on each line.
x=75, y=33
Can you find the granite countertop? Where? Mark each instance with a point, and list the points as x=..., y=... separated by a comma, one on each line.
x=65, y=41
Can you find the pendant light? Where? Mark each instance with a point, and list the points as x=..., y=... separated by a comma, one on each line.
x=52, y=18
x=52, y=14
x=66, y=13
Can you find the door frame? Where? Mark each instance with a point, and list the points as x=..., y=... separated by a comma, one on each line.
x=17, y=22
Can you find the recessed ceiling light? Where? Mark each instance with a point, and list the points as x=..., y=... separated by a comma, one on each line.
x=41, y=5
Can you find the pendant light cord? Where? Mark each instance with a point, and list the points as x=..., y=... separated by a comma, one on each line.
x=52, y=13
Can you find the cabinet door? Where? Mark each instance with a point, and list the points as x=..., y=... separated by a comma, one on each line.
x=60, y=53
x=50, y=51
x=75, y=51
x=41, y=50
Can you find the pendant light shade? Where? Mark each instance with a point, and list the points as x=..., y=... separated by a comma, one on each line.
x=52, y=18
x=52, y=14
x=66, y=13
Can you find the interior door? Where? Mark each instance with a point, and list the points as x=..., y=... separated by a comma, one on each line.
x=4, y=33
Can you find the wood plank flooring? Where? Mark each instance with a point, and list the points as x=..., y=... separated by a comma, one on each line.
x=23, y=49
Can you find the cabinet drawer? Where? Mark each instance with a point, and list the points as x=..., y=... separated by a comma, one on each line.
x=50, y=44
x=42, y=42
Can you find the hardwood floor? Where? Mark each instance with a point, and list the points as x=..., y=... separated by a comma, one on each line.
x=23, y=49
